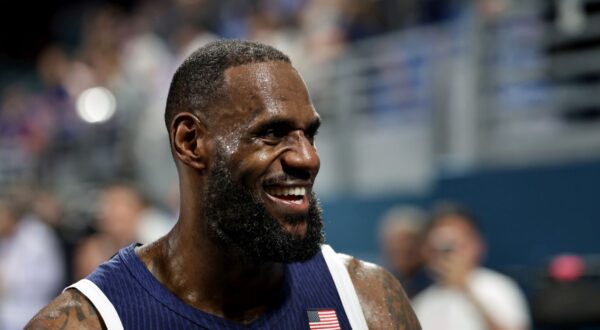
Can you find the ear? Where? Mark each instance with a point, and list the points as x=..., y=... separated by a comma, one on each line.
x=188, y=140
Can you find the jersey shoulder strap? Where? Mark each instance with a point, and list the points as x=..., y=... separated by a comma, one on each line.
x=345, y=288
x=105, y=308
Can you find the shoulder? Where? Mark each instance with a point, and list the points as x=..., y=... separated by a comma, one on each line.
x=484, y=279
x=70, y=310
x=488, y=275
x=31, y=226
x=381, y=296
x=499, y=288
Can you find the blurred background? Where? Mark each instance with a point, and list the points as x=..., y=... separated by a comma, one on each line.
x=494, y=104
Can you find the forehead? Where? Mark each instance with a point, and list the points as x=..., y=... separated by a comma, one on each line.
x=119, y=194
x=452, y=226
x=265, y=89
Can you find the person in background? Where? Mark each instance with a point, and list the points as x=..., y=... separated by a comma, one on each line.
x=465, y=296
x=50, y=209
x=124, y=217
x=31, y=261
x=401, y=237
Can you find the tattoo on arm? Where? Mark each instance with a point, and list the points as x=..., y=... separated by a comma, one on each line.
x=69, y=311
x=384, y=303
x=398, y=306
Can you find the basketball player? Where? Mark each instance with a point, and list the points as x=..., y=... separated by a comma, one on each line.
x=247, y=250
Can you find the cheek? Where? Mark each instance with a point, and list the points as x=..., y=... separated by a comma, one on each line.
x=263, y=157
x=254, y=164
x=227, y=147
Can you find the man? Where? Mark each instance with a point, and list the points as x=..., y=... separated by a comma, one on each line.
x=123, y=216
x=30, y=274
x=401, y=238
x=246, y=251
x=466, y=296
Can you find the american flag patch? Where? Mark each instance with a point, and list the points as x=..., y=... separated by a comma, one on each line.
x=323, y=319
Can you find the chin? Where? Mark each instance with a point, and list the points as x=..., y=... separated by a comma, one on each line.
x=296, y=230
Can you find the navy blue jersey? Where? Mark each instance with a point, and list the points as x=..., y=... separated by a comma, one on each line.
x=143, y=303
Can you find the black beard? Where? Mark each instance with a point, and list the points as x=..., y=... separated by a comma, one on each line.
x=241, y=225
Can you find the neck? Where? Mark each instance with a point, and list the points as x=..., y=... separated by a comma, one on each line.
x=210, y=278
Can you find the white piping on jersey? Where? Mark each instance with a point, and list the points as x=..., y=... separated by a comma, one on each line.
x=105, y=308
x=345, y=288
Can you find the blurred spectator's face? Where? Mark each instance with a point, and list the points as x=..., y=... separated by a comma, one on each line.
x=7, y=221
x=48, y=208
x=119, y=212
x=53, y=66
x=401, y=249
x=90, y=254
x=453, y=237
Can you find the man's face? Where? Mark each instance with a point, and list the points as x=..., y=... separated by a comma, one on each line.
x=265, y=164
x=401, y=247
x=119, y=211
x=453, y=237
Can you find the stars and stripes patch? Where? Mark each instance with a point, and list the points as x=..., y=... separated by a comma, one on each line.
x=323, y=319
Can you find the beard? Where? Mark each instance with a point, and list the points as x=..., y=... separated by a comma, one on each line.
x=240, y=223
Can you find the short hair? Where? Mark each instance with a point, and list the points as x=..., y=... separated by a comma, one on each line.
x=199, y=81
x=448, y=209
x=408, y=218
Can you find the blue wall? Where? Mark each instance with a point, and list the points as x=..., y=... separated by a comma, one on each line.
x=527, y=215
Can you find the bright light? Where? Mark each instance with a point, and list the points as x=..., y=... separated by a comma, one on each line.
x=96, y=105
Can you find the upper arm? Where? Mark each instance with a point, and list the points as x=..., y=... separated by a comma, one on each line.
x=70, y=310
x=381, y=296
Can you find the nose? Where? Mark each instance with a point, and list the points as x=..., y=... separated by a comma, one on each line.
x=301, y=157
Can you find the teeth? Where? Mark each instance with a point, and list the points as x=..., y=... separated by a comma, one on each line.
x=291, y=191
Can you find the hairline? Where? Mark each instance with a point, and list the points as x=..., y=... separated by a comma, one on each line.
x=225, y=54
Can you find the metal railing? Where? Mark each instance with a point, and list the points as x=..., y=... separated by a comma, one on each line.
x=468, y=94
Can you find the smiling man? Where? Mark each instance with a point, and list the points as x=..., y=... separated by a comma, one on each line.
x=247, y=251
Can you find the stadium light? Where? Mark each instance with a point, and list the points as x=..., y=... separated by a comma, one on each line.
x=96, y=105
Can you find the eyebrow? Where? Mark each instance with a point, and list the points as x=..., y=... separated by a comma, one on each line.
x=287, y=123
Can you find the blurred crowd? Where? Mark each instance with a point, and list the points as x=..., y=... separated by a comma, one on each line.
x=39, y=255
x=439, y=258
x=133, y=51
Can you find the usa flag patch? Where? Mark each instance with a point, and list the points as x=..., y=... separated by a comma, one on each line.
x=323, y=319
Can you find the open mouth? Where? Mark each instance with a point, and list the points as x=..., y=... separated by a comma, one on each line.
x=286, y=201
x=294, y=195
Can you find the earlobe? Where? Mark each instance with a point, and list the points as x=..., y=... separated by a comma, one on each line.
x=188, y=135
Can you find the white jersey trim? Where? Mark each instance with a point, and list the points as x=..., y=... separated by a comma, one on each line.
x=105, y=308
x=345, y=288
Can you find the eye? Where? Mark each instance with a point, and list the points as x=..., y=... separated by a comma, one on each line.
x=274, y=134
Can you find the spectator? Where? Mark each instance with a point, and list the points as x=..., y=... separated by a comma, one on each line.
x=465, y=296
x=31, y=264
x=401, y=238
x=124, y=217
x=49, y=208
